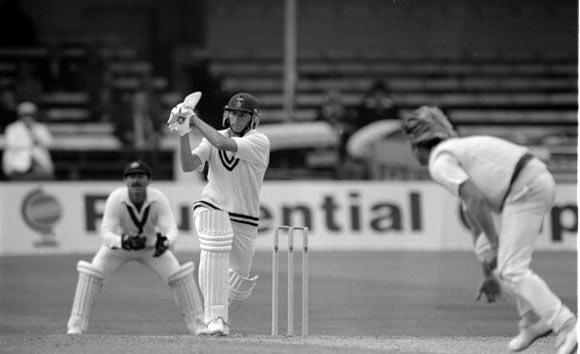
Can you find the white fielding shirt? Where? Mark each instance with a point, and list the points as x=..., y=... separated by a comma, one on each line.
x=155, y=216
x=235, y=180
x=487, y=161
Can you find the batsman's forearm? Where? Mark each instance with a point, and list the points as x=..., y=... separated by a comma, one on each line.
x=189, y=162
x=218, y=140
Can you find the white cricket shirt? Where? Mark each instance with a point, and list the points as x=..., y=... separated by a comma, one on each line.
x=235, y=180
x=487, y=161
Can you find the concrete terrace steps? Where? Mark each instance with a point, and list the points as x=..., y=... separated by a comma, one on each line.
x=363, y=83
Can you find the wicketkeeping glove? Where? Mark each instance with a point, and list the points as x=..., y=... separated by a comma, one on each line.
x=132, y=242
x=161, y=245
x=179, y=120
x=491, y=288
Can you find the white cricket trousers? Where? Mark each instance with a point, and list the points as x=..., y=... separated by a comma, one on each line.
x=110, y=260
x=530, y=199
x=243, y=248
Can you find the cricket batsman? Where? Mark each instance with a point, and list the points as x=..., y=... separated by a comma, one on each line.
x=491, y=177
x=137, y=225
x=226, y=217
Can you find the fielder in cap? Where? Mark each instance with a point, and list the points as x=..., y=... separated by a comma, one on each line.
x=138, y=225
x=226, y=217
x=496, y=178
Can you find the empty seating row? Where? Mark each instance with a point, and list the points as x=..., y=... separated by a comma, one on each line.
x=348, y=69
x=472, y=116
x=359, y=84
x=380, y=54
x=480, y=100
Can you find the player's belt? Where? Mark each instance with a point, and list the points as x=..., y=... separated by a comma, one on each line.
x=522, y=162
x=235, y=217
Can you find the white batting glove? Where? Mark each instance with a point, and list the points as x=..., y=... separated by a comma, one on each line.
x=179, y=120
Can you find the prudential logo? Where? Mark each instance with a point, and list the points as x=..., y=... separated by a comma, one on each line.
x=41, y=212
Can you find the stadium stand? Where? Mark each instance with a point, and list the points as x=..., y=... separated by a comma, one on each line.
x=485, y=85
x=522, y=96
x=85, y=147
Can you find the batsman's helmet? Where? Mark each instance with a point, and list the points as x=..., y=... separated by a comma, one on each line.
x=244, y=102
x=427, y=123
x=137, y=167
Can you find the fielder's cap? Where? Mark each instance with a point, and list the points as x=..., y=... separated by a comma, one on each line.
x=427, y=123
x=27, y=109
x=137, y=167
x=243, y=102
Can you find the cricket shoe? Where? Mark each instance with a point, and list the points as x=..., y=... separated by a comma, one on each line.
x=197, y=327
x=74, y=330
x=529, y=333
x=567, y=338
x=218, y=327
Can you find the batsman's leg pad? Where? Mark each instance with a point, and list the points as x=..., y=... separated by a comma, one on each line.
x=212, y=222
x=241, y=287
x=187, y=295
x=215, y=239
x=89, y=286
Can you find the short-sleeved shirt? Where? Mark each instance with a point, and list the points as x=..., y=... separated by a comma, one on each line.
x=235, y=180
x=487, y=161
x=122, y=217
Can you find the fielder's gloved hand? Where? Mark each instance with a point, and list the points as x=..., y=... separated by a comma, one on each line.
x=161, y=245
x=132, y=242
x=491, y=288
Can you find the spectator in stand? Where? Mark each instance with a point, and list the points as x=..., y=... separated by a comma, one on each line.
x=147, y=121
x=377, y=104
x=138, y=119
x=121, y=117
x=7, y=107
x=214, y=93
x=17, y=29
x=335, y=112
x=377, y=116
x=26, y=155
x=28, y=87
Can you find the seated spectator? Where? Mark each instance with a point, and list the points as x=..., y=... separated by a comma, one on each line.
x=122, y=118
x=7, y=107
x=28, y=87
x=148, y=120
x=377, y=104
x=138, y=119
x=26, y=155
x=334, y=111
x=214, y=92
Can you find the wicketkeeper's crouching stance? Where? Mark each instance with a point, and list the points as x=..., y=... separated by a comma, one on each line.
x=491, y=177
x=138, y=225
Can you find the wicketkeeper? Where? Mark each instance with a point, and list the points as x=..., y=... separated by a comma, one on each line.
x=491, y=177
x=227, y=215
x=138, y=225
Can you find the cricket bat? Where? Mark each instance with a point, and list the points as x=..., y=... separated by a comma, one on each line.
x=190, y=102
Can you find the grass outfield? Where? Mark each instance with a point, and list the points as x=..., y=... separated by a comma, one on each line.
x=404, y=302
